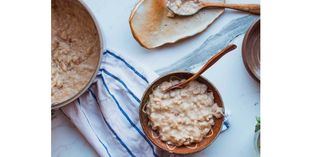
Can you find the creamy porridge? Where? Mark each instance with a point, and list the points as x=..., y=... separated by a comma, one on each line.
x=75, y=49
x=182, y=116
x=183, y=7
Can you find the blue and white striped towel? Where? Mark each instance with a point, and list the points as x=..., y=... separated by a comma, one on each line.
x=107, y=113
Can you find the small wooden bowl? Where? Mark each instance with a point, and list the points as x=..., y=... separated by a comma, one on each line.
x=182, y=149
x=251, y=51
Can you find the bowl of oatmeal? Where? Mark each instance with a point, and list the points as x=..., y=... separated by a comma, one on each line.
x=76, y=50
x=181, y=121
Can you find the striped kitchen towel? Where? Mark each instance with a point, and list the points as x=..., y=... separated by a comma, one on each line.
x=107, y=113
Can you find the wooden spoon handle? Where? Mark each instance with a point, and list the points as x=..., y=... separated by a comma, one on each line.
x=251, y=8
x=213, y=60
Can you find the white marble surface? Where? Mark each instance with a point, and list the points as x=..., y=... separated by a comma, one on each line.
x=239, y=92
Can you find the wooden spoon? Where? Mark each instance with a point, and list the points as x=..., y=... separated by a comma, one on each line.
x=191, y=7
x=213, y=60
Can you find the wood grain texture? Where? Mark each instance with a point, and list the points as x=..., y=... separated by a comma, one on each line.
x=251, y=8
x=210, y=62
x=251, y=51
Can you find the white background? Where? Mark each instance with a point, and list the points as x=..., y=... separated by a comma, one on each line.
x=25, y=78
x=240, y=93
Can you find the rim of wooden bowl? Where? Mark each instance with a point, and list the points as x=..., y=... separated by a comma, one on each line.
x=182, y=149
x=246, y=41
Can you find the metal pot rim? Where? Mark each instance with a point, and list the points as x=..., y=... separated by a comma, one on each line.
x=102, y=49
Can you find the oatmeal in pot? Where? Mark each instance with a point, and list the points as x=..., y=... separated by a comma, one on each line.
x=75, y=49
x=182, y=116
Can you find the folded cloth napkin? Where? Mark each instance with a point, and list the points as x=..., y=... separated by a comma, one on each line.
x=107, y=113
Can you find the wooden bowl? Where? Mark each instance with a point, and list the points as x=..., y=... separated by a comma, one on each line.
x=251, y=51
x=182, y=149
